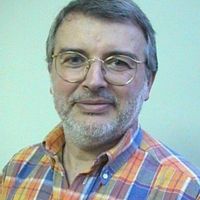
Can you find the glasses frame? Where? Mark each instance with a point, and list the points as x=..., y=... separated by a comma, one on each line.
x=54, y=56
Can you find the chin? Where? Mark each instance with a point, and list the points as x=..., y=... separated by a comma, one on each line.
x=95, y=143
x=91, y=133
x=91, y=119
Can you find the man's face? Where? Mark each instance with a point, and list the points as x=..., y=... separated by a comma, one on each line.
x=94, y=112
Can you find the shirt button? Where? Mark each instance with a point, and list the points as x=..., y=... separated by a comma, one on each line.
x=105, y=176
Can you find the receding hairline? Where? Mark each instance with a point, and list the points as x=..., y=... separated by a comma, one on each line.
x=76, y=14
x=116, y=11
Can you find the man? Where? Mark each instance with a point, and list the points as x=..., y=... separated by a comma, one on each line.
x=102, y=62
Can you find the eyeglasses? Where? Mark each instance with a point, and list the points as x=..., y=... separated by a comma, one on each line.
x=73, y=67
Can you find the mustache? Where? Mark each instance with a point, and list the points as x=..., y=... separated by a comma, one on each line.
x=103, y=94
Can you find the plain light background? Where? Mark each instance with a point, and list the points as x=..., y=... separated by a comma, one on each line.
x=27, y=113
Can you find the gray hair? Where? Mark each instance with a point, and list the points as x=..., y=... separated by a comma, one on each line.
x=111, y=10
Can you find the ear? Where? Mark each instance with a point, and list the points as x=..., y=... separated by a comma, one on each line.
x=49, y=68
x=150, y=80
x=51, y=90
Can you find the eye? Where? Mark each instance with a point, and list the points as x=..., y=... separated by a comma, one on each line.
x=118, y=64
x=72, y=60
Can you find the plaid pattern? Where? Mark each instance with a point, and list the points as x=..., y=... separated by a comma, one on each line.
x=138, y=168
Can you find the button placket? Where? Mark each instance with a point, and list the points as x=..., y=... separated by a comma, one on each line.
x=105, y=176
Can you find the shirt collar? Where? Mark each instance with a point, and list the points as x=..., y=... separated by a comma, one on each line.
x=55, y=141
x=129, y=139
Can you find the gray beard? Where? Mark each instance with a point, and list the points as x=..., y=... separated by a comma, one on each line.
x=89, y=136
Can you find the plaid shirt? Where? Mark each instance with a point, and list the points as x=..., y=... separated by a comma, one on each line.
x=137, y=168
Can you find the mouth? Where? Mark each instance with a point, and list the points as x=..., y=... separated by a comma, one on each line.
x=94, y=106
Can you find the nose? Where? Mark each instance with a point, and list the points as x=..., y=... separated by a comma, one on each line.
x=94, y=79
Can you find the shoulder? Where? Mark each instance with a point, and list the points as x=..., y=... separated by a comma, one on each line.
x=167, y=158
x=24, y=167
x=171, y=170
x=28, y=153
x=31, y=155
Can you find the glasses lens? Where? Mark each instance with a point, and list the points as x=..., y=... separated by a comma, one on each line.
x=70, y=66
x=120, y=70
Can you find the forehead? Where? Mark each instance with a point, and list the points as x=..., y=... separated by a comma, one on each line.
x=96, y=35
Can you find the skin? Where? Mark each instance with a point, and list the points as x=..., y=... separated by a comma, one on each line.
x=94, y=103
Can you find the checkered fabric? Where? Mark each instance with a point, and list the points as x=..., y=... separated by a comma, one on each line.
x=137, y=168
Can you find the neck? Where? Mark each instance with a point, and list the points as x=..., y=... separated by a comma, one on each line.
x=75, y=155
x=77, y=160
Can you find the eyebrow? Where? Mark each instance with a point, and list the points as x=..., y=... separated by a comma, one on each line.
x=62, y=50
x=106, y=55
x=120, y=52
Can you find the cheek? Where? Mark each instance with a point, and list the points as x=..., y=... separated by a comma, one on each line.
x=127, y=92
x=123, y=95
x=61, y=87
x=130, y=92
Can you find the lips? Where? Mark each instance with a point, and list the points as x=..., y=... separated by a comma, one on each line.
x=94, y=106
